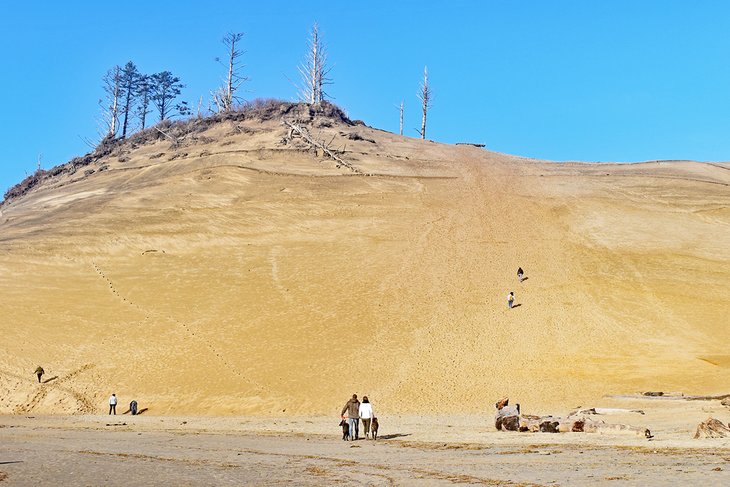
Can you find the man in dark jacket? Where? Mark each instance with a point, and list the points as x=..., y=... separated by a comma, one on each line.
x=39, y=372
x=353, y=416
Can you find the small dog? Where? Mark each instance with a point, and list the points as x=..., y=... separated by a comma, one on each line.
x=345, y=430
x=374, y=429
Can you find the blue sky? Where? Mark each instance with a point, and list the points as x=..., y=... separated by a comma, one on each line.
x=559, y=80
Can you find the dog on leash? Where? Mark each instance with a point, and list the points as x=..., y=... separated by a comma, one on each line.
x=345, y=429
x=374, y=429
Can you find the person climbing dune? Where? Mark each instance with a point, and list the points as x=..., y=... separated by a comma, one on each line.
x=511, y=299
x=39, y=372
x=520, y=273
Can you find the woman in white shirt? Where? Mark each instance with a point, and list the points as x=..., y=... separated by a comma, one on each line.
x=366, y=415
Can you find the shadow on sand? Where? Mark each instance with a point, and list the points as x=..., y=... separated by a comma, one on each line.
x=394, y=435
x=138, y=412
x=50, y=379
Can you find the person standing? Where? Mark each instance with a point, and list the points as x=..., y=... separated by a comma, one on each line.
x=133, y=407
x=520, y=273
x=113, y=404
x=39, y=372
x=511, y=299
x=366, y=415
x=352, y=407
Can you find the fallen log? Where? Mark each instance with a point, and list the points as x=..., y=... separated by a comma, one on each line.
x=319, y=145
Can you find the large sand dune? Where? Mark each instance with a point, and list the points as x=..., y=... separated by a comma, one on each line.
x=238, y=275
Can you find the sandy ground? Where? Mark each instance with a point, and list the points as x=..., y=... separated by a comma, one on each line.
x=411, y=450
x=234, y=275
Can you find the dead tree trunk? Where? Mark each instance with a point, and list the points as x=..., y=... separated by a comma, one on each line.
x=110, y=106
x=425, y=96
x=225, y=97
x=314, y=70
x=401, y=117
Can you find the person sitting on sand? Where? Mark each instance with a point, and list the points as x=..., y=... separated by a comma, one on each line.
x=511, y=299
x=366, y=415
x=39, y=372
x=353, y=416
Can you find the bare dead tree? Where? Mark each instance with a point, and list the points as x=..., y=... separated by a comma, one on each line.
x=402, y=106
x=200, y=108
x=314, y=70
x=225, y=97
x=425, y=95
x=112, y=84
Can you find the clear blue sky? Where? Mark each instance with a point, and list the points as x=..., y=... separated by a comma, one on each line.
x=561, y=80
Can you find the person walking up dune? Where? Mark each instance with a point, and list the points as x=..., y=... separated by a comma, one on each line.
x=511, y=299
x=352, y=407
x=520, y=273
x=39, y=372
x=366, y=415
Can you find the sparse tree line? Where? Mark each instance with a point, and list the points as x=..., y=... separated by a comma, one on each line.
x=130, y=96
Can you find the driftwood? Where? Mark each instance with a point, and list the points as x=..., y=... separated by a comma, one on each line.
x=606, y=411
x=712, y=428
x=298, y=129
x=509, y=418
x=670, y=396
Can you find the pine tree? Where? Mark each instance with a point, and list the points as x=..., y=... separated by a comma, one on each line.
x=164, y=89
x=144, y=93
x=130, y=78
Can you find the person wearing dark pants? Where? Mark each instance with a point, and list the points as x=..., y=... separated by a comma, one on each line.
x=366, y=415
x=39, y=372
x=113, y=404
x=133, y=408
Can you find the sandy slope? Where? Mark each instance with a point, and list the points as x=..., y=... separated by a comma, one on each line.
x=237, y=275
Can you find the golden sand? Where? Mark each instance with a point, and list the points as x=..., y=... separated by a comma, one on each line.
x=237, y=275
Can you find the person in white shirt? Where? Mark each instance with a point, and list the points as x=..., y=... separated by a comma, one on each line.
x=366, y=414
x=113, y=404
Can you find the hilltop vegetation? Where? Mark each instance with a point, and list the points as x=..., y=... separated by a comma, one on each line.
x=177, y=131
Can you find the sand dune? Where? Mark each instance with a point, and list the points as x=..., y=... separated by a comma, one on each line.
x=236, y=275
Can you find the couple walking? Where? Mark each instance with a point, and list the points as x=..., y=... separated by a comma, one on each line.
x=357, y=411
